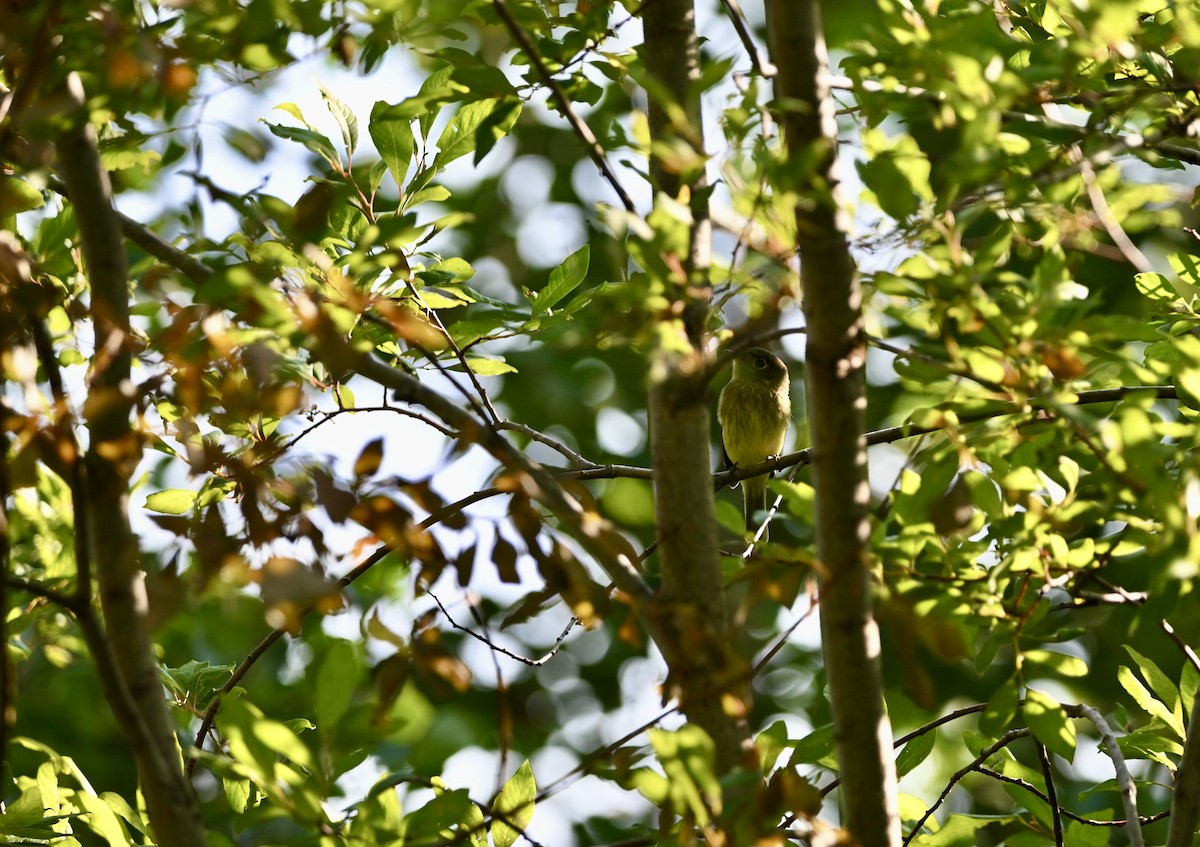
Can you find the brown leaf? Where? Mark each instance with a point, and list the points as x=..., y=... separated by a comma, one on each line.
x=390, y=676
x=504, y=557
x=369, y=460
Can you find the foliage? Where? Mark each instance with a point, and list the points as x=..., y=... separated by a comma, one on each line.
x=1023, y=225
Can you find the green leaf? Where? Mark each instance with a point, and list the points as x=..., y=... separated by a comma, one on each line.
x=346, y=120
x=458, y=138
x=513, y=807
x=1147, y=701
x=1189, y=682
x=817, y=746
x=172, y=501
x=1049, y=723
x=336, y=683
x=563, y=280
x=312, y=140
x=959, y=831
x=1058, y=664
x=489, y=367
x=124, y=811
x=194, y=682
x=497, y=125
x=237, y=793
x=1160, y=683
x=896, y=171
x=688, y=758
x=771, y=742
x=433, y=823
x=915, y=752
x=1156, y=287
x=433, y=298
x=17, y=195
x=393, y=138
x=1001, y=709
x=1188, y=268
x=102, y=820
x=437, y=89
x=475, y=826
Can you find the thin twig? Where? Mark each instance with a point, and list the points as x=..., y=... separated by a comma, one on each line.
x=1139, y=598
x=210, y=713
x=743, y=32
x=576, y=460
x=580, y=127
x=1109, y=221
x=1067, y=813
x=504, y=730
x=1051, y=792
x=929, y=727
x=985, y=754
x=782, y=640
x=580, y=770
x=496, y=648
x=323, y=417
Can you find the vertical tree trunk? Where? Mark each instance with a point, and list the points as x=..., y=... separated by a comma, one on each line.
x=1185, y=799
x=836, y=391
x=689, y=612
x=113, y=451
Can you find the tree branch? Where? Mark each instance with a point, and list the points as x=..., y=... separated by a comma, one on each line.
x=985, y=754
x=1067, y=813
x=1124, y=779
x=578, y=125
x=1051, y=793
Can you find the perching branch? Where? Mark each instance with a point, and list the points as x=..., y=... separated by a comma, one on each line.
x=496, y=648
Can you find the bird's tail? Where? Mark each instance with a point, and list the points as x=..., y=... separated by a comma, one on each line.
x=754, y=496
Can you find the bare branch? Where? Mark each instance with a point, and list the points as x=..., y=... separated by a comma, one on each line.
x=576, y=460
x=929, y=727
x=985, y=754
x=599, y=753
x=1051, y=792
x=1185, y=798
x=496, y=648
x=1041, y=795
x=738, y=19
x=1109, y=221
x=1124, y=779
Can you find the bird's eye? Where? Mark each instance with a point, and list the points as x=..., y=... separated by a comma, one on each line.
x=760, y=363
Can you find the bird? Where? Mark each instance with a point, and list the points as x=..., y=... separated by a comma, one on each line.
x=754, y=411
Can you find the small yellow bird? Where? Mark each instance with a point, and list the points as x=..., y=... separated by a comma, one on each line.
x=754, y=410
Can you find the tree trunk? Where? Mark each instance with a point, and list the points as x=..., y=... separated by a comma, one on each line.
x=122, y=650
x=689, y=613
x=836, y=389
